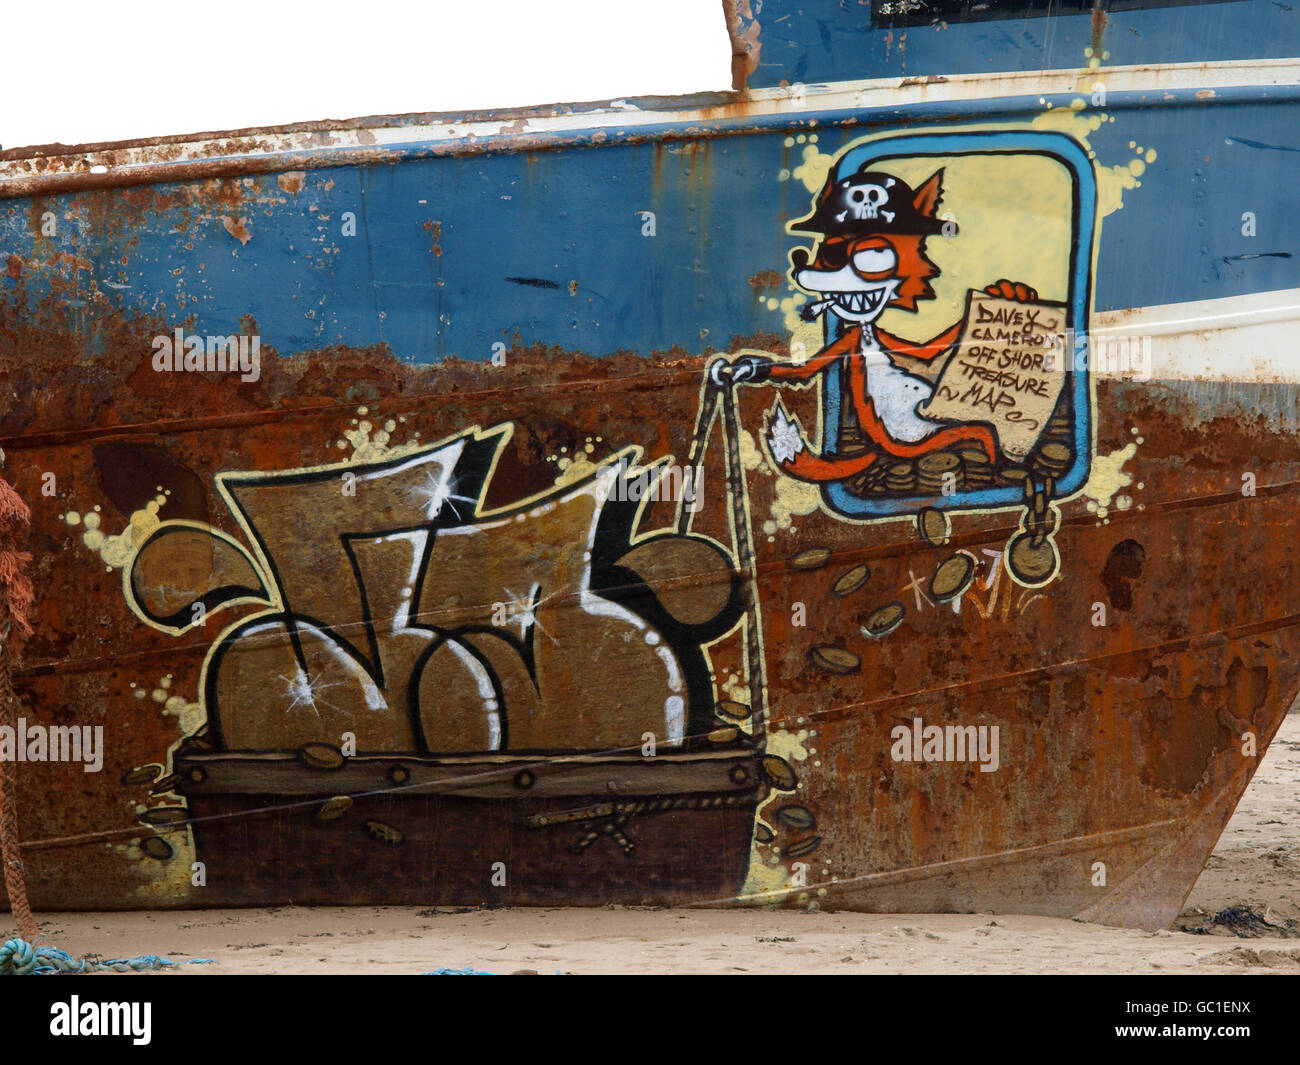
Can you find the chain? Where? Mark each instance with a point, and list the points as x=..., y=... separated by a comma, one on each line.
x=748, y=569
x=703, y=423
x=722, y=393
x=1040, y=521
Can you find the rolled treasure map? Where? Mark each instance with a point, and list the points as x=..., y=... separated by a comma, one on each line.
x=1007, y=370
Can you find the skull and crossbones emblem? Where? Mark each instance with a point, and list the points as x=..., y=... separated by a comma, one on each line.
x=864, y=200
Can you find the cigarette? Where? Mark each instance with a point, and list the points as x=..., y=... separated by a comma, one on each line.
x=812, y=310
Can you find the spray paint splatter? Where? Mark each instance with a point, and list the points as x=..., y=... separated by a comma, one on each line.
x=1078, y=122
x=118, y=550
x=369, y=444
x=768, y=881
x=165, y=880
x=1108, y=478
x=573, y=468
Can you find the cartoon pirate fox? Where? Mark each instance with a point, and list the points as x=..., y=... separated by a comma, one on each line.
x=870, y=256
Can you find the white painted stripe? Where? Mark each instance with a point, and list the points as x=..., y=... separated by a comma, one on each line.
x=1244, y=339
x=621, y=115
x=895, y=92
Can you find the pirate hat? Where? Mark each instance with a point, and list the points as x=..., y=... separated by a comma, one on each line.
x=871, y=201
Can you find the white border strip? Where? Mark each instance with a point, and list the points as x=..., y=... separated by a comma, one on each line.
x=795, y=100
x=1250, y=339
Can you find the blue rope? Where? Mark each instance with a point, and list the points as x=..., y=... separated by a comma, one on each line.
x=470, y=971
x=19, y=958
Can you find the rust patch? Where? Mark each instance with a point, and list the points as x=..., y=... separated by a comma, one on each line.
x=774, y=342
x=928, y=79
x=237, y=228
x=1193, y=727
x=271, y=151
x=434, y=228
x=1099, y=20
x=743, y=29
x=292, y=182
x=14, y=267
x=766, y=279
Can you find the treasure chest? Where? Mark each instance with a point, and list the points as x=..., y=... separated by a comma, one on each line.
x=422, y=736
x=311, y=827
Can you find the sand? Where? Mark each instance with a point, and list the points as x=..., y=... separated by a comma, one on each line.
x=1256, y=867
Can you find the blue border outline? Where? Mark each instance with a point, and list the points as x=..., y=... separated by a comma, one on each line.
x=1068, y=152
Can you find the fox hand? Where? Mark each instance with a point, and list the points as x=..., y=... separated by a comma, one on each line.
x=747, y=368
x=1012, y=290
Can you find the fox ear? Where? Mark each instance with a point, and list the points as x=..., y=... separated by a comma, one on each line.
x=927, y=197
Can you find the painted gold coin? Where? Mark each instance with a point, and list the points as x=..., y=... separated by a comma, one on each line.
x=385, y=833
x=933, y=525
x=333, y=809
x=1056, y=455
x=850, y=581
x=938, y=463
x=779, y=773
x=834, y=659
x=142, y=774
x=732, y=712
x=797, y=817
x=804, y=846
x=164, y=784
x=884, y=621
x=812, y=558
x=165, y=815
x=157, y=847
x=321, y=755
x=952, y=578
x=1030, y=564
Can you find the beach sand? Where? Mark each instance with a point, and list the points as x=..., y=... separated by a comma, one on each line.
x=1254, y=875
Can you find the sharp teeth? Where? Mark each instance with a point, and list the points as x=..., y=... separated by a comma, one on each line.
x=858, y=302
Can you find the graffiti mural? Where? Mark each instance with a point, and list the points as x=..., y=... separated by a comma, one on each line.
x=773, y=620
x=782, y=498
x=575, y=671
x=400, y=619
x=458, y=630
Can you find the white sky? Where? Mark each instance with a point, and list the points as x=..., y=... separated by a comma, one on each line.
x=83, y=71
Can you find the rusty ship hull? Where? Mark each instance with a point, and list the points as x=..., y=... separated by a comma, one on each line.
x=392, y=611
